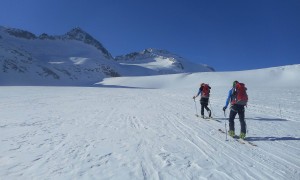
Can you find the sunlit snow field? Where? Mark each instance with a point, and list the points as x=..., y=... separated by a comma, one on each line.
x=146, y=128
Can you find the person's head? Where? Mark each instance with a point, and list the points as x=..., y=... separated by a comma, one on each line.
x=201, y=84
x=234, y=83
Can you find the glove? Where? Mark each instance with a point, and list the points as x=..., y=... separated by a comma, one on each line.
x=224, y=108
x=194, y=97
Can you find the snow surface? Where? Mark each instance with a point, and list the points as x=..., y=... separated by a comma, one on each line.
x=146, y=128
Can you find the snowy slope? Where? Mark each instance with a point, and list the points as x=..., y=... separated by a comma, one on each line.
x=146, y=128
x=270, y=77
x=75, y=58
x=160, y=62
x=72, y=59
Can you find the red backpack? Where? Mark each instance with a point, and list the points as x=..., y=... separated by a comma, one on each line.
x=205, y=91
x=240, y=95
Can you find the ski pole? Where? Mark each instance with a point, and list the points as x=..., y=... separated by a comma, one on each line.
x=225, y=124
x=211, y=109
x=196, y=108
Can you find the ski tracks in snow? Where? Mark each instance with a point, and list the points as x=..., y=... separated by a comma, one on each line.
x=207, y=141
x=276, y=166
x=133, y=134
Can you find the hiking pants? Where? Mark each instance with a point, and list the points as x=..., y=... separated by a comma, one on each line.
x=237, y=109
x=204, y=104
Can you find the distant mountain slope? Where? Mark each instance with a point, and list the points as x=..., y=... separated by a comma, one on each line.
x=161, y=61
x=285, y=76
x=74, y=34
x=76, y=58
x=72, y=59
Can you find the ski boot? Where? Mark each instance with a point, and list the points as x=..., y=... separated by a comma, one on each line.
x=231, y=133
x=243, y=135
x=209, y=113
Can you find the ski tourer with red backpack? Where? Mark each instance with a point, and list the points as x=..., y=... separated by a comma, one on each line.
x=204, y=91
x=238, y=97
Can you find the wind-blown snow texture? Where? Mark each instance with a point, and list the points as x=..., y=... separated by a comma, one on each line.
x=146, y=128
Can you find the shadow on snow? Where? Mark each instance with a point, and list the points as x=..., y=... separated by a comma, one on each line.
x=117, y=86
x=266, y=119
x=256, y=119
x=272, y=138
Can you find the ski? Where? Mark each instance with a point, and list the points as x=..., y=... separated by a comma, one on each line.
x=241, y=141
x=220, y=130
x=208, y=118
x=214, y=119
x=245, y=141
x=234, y=138
x=205, y=118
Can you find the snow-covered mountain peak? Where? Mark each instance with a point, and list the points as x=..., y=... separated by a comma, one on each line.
x=18, y=33
x=146, y=53
x=77, y=30
x=161, y=61
x=155, y=51
x=80, y=35
x=77, y=58
x=74, y=34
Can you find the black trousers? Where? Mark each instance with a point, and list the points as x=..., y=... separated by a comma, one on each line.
x=204, y=104
x=240, y=110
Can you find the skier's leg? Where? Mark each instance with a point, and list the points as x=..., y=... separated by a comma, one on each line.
x=241, y=113
x=208, y=110
x=202, y=110
x=206, y=107
x=204, y=102
x=202, y=107
x=232, y=115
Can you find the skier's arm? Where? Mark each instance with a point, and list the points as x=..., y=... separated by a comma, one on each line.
x=228, y=98
x=197, y=93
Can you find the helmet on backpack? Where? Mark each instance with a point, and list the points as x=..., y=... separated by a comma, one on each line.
x=234, y=83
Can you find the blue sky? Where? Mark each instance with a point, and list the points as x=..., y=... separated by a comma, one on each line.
x=225, y=34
